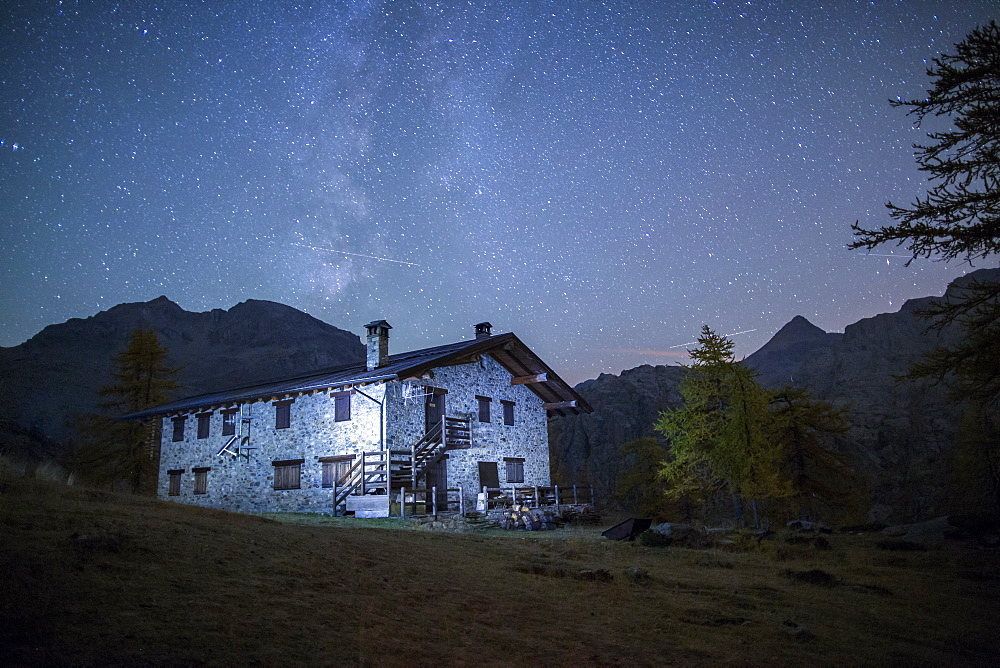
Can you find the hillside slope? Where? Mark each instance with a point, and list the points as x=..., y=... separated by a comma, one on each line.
x=56, y=373
x=93, y=578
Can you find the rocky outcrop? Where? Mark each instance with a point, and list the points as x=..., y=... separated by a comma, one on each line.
x=55, y=375
x=903, y=434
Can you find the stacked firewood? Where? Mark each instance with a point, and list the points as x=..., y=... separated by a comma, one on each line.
x=522, y=517
x=582, y=514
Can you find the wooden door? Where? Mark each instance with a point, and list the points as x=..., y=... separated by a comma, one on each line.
x=433, y=409
x=437, y=476
x=489, y=476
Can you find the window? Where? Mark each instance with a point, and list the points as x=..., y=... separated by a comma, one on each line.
x=484, y=408
x=179, y=428
x=175, y=482
x=508, y=412
x=341, y=406
x=229, y=422
x=204, y=420
x=288, y=474
x=201, y=479
x=335, y=468
x=515, y=469
x=282, y=414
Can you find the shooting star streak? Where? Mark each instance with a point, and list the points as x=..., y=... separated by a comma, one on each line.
x=681, y=345
x=370, y=257
x=885, y=255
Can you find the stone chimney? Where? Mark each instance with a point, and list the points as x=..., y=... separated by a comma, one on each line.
x=378, y=343
x=484, y=330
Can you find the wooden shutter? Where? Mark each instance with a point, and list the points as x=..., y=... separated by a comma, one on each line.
x=515, y=469
x=175, y=482
x=484, y=408
x=288, y=473
x=201, y=480
x=282, y=414
x=341, y=406
x=335, y=468
x=508, y=412
x=204, y=422
x=178, y=428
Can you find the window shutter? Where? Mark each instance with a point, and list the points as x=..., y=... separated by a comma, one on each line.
x=175, y=482
x=201, y=480
x=283, y=414
x=515, y=469
x=178, y=428
x=508, y=412
x=204, y=422
x=342, y=406
x=484, y=409
x=288, y=473
x=335, y=468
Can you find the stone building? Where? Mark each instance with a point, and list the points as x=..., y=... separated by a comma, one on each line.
x=351, y=439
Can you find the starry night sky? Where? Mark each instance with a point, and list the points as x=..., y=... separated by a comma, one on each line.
x=601, y=178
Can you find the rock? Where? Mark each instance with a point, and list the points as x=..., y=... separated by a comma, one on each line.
x=682, y=535
x=806, y=525
x=929, y=534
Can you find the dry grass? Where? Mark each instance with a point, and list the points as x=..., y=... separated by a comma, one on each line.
x=91, y=578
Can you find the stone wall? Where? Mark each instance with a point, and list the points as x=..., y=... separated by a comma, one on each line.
x=247, y=484
x=527, y=438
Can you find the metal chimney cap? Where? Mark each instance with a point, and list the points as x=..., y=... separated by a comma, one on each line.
x=376, y=325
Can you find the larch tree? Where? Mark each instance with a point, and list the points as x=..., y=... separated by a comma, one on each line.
x=637, y=486
x=959, y=218
x=820, y=476
x=115, y=451
x=723, y=434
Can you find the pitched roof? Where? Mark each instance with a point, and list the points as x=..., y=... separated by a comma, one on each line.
x=506, y=349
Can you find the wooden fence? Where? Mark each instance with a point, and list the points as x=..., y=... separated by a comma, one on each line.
x=430, y=501
x=423, y=501
x=536, y=497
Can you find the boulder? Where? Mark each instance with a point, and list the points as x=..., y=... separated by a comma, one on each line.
x=931, y=533
x=806, y=525
x=682, y=535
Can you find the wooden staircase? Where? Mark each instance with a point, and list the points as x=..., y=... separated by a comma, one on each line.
x=371, y=479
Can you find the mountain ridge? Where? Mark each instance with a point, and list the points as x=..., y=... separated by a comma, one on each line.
x=903, y=435
x=55, y=374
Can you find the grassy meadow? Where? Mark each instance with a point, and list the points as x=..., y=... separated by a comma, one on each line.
x=92, y=578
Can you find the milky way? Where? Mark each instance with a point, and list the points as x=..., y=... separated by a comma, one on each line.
x=601, y=178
